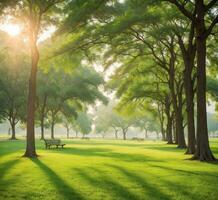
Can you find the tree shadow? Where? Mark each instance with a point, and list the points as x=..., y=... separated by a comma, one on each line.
x=199, y=173
x=151, y=192
x=6, y=167
x=62, y=187
x=178, y=188
x=107, y=185
x=106, y=153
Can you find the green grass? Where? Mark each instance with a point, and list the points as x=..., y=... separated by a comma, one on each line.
x=99, y=169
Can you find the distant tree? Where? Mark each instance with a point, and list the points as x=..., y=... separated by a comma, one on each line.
x=84, y=123
x=13, y=82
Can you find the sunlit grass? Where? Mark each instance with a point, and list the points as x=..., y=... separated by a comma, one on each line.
x=98, y=169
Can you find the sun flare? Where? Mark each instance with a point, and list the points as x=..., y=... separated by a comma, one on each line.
x=11, y=29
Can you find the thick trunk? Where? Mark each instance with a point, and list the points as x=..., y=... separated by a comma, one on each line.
x=30, y=145
x=188, y=58
x=169, y=130
x=203, y=151
x=177, y=101
x=124, y=134
x=190, y=112
x=174, y=132
x=52, y=130
x=13, y=136
x=180, y=129
x=42, y=128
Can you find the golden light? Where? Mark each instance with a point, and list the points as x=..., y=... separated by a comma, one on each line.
x=11, y=29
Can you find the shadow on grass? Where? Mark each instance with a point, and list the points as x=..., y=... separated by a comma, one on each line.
x=152, y=192
x=107, y=185
x=4, y=168
x=106, y=153
x=62, y=187
x=6, y=182
x=185, y=172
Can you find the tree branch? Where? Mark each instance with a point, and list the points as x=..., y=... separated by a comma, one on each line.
x=209, y=30
x=183, y=9
x=210, y=5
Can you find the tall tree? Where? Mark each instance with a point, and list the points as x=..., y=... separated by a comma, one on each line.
x=198, y=12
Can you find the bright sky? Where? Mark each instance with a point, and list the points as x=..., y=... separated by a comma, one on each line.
x=11, y=29
x=16, y=29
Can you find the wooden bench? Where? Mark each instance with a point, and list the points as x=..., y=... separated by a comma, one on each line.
x=53, y=142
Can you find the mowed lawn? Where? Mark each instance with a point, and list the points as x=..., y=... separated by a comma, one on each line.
x=101, y=169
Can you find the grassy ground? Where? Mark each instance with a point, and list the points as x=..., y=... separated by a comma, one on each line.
x=99, y=169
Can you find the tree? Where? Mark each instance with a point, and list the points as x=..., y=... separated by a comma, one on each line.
x=13, y=82
x=197, y=13
x=84, y=123
x=34, y=14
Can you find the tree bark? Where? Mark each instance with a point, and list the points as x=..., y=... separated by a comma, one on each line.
x=161, y=119
x=13, y=124
x=188, y=55
x=42, y=128
x=52, y=130
x=68, y=132
x=174, y=131
x=203, y=151
x=43, y=117
x=169, y=136
x=189, y=91
x=176, y=99
x=30, y=145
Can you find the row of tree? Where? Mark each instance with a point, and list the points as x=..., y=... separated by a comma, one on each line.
x=161, y=57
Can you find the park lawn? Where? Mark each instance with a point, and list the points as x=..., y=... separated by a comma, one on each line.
x=106, y=169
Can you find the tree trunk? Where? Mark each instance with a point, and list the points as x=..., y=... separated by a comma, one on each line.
x=169, y=136
x=190, y=113
x=68, y=133
x=174, y=131
x=30, y=145
x=203, y=151
x=52, y=130
x=12, y=123
x=42, y=128
x=76, y=134
x=161, y=119
x=180, y=129
x=43, y=116
x=146, y=133
x=9, y=131
x=176, y=99
x=124, y=134
x=188, y=58
x=115, y=133
x=163, y=131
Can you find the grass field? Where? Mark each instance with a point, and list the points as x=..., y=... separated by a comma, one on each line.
x=101, y=169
